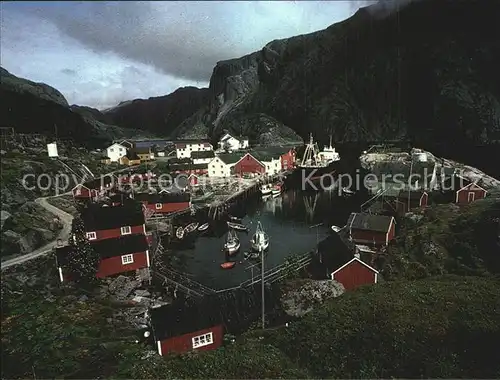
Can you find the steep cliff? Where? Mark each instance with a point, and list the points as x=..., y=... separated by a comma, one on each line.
x=31, y=107
x=427, y=72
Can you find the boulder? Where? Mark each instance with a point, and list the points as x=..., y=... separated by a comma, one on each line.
x=4, y=215
x=301, y=296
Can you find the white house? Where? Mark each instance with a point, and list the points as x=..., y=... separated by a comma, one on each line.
x=202, y=157
x=183, y=148
x=116, y=151
x=228, y=142
x=221, y=165
x=273, y=166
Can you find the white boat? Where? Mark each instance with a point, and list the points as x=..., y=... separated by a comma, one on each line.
x=277, y=189
x=204, y=227
x=260, y=239
x=179, y=233
x=232, y=244
x=329, y=154
x=346, y=191
x=336, y=228
x=237, y=226
x=266, y=189
x=190, y=227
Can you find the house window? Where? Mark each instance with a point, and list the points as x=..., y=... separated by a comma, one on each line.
x=78, y=192
x=126, y=230
x=158, y=206
x=91, y=235
x=213, y=172
x=127, y=259
x=203, y=340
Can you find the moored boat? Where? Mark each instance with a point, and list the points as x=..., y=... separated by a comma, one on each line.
x=204, y=227
x=228, y=265
x=232, y=244
x=347, y=192
x=179, y=233
x=234, y=219
x=277, y=189
x=266, y=189
x=237, y=226
x=260, y=239
x=336, y=228
x=190, y=227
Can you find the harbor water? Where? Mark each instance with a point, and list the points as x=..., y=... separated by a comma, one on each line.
x=296, y=221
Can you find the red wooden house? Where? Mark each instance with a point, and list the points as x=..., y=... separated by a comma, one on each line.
x=461, y=190
x=288, y=160
x=371, y=229
x=112, y=222
x=118, y=255
x=93, y=188
x=165, y=203
x=248, y=164
x=355, y=273
x=81, y=191
x=121, y=255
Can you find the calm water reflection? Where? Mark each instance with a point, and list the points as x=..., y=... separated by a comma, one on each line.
x=295, y=221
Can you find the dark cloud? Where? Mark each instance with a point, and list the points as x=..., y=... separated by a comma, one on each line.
x=69, y=72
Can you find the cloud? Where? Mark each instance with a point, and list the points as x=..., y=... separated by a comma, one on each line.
x=124, y=50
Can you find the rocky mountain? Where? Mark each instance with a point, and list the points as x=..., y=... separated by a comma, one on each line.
x=158, y=114
x=31, y=107
x=426, y=72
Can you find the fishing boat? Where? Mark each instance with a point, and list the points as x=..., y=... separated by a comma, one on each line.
x=277, y=189
x=228, y=265
x=260, y=239
x=232, y=244
x=266, y=189
x=190, y=227
x=204, y=227
x=237, y=226
x=179, y=233
x=347, y=192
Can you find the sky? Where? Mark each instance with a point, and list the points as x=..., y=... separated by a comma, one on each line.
x=101, y=53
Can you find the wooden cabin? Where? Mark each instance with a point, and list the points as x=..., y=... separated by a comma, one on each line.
x=354, y=274
x=377, y=230
x=81, y=191
x=117, y=255
x=112, y=222
x=462, y=191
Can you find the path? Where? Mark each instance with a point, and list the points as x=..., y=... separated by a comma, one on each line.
x=65, y=218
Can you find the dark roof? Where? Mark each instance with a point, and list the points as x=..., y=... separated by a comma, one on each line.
x=163, y=197
x=334, y=253
x=414, y=194
x=132, y=155
x=62, y=255
x=123, y=245
x=188, y=166
x=235, y=309
x=97, y=218
x=203, y=154
x=175, y=160
x=267, y=153
x=192, y=141
x=103, y=180
x=142, y=149
x=231, y=158
x=150, y=143
x=369, y=222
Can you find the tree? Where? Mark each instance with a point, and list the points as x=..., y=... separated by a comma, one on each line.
x=83, y=260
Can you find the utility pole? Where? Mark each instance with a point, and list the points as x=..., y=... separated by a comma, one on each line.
x=261, y=251
x=409, y=184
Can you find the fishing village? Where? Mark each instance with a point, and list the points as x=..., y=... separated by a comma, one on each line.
x=199, y=239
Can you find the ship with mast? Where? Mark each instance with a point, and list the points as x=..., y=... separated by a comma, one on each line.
x=315, y=163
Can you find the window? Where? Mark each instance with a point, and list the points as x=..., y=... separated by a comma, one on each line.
x=127, y=259
x=203, y=340
x=126, y=230
x=91, y=235
x=158, y=206
x=78, y=191
x=111, y=150
x=213, y=172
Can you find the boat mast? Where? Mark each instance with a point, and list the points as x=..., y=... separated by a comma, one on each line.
x=262, y=278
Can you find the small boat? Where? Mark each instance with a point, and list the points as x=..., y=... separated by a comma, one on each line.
x=237, y=226
x=336, y=228
x=190, y=227
x=204, y=227
x=232, y=244
x=260, y=239
x=251, y=255
x=234, y=219
x=266, y=189
x=179, y=233
x=277, y=189
x=347, y=192
x=228, y=265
